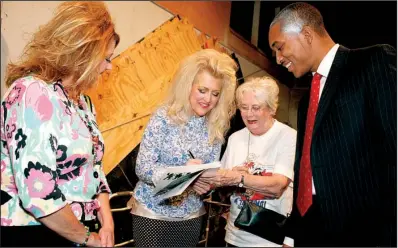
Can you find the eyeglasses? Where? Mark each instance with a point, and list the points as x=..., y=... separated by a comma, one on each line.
x=255, y=109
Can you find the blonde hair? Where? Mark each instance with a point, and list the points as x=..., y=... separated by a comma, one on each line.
x=220, y=66
x=73, y=43
x=265, y=89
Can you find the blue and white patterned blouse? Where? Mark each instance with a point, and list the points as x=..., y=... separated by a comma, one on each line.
x=166, y=144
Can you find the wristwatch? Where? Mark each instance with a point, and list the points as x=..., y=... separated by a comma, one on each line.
x=242, y=181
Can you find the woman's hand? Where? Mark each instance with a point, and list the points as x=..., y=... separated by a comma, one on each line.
x=209, y=176
x=221, y=177
x=94, y=240
x=201, y=187
x=241, y=169
x=106, y=234
x=194, y=162
x=65, y=223
x=106, y=219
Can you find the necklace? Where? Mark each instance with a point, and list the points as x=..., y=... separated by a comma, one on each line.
x=251, y=157
x=78, y=105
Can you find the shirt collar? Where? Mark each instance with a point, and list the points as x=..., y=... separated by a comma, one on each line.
x=197, y=119
x=326, y=63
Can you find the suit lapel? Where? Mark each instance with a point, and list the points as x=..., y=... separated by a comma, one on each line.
x=332, y=82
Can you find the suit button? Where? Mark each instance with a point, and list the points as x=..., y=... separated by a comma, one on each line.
x=95, y=174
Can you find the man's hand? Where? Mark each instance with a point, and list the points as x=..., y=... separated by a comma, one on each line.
x=285, y=245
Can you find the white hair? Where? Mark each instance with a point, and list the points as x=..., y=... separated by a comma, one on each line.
x=265, y=89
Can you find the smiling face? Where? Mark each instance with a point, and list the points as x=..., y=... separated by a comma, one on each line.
x=293, y=51
x=205, y=93
x=255, y=114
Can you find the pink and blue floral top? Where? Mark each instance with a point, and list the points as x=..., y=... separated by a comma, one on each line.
x=51, y=154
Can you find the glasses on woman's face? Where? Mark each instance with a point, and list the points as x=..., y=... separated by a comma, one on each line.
x=254, y=108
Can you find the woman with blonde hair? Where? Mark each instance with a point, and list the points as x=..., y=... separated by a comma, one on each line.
x=258, y=160
x=53, y=188
x=194, y=118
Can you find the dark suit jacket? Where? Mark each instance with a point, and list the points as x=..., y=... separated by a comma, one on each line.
x=354, y=148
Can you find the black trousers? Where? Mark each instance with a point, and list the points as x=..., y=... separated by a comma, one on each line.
x=310, y=231
x=37, y=236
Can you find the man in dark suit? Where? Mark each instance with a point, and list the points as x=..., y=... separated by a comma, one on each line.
x=346, y=157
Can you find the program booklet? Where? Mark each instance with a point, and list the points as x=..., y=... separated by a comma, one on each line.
x=175, y=179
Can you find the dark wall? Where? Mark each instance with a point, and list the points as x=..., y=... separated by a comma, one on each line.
x=241, y=19
x=352, y=24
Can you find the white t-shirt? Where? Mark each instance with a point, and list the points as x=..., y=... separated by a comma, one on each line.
x=272, y=152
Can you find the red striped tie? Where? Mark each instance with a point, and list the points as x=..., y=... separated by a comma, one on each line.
x=304, y=197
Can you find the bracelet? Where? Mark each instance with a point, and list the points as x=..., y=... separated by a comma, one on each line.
x=88, y=233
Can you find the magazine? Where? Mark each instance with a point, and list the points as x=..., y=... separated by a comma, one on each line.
x=176, y=179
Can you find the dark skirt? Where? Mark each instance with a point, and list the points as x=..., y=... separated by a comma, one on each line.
x=159, y=233
x=35, y=236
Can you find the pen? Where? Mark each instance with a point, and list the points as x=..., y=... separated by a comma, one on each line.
x=191, y=155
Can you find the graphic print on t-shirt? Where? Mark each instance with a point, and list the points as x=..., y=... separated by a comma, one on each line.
x=255, y=168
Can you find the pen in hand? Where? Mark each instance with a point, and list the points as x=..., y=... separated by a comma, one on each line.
x=191, y=155
x=193, y=160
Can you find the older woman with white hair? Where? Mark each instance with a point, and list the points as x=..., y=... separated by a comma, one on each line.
x=258, y=159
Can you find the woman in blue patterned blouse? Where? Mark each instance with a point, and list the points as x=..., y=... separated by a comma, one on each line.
x=194, y=118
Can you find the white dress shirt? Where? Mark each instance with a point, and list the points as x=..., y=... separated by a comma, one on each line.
x=323, y=69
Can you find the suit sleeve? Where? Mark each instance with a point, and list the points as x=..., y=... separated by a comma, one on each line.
x=384, y=96
x=383, y=92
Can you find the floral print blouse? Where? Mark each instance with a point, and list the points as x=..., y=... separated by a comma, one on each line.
x=166, y=144
x=51, y=153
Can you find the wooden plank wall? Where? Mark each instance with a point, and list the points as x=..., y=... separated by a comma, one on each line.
x=126, y=96
x=213, y=18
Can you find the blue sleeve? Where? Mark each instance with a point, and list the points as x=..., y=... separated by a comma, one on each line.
x=148, y=165
x=215, y=153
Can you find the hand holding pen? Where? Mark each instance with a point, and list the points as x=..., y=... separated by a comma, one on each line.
x=200, y=187
x=193, y=160
x=191, y=155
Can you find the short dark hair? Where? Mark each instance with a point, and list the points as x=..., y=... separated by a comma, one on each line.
x=296, y=15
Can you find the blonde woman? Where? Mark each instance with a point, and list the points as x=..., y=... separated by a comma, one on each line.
x=258, y=159
x=53, y=188
x=194, y=119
